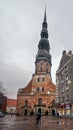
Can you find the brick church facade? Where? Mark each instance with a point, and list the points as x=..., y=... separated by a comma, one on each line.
x=39, y=94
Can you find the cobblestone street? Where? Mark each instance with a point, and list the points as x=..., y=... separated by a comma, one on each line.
x=29, y=123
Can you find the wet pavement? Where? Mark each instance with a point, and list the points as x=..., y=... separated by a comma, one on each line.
x=29, y=123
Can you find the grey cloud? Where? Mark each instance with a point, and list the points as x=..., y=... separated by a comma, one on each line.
x=20, y=27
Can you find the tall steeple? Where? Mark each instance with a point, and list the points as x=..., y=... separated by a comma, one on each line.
x=45, y=20
x=44, y=25
x=44, y=32
x=43, y=54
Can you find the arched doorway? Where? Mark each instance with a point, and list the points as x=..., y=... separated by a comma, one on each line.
x=53, y=112
x=25, y=113
x=39, y=110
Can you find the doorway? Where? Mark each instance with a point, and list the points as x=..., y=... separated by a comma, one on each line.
x=25, y=113
x=39, y=110
x=53, y=112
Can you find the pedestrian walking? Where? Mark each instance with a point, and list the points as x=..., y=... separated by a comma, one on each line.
x=38, y=118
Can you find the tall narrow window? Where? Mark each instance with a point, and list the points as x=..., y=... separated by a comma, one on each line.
x=43, y=89
x=42, y=79
x=26, y=103
x=40, y=101
x=38, y=79
x=41, y=68
x=38, y=89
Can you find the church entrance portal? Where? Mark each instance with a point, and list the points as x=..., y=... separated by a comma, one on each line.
x=53, y=112
x=39, y=110
x=25, y=113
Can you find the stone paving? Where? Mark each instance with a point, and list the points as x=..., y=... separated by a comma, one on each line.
x=29, y=123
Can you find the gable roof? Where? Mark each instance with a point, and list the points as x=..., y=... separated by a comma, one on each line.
x=27, y=89
x=64, y=59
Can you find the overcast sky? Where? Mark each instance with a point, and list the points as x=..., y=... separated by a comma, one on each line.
x=20, y=27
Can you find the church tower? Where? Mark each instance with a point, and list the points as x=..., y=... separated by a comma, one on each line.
x=43, y=57
x=39, y=94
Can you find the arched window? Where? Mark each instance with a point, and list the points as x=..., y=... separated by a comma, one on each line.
x=40, y=101
x=38, y=79
x=38, y=89
x=53, y=103
x=26, y=102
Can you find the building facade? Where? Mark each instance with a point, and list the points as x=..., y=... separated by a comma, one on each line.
x=11, y=106
x=3, y=102
x=64, y=84
x=39, y=94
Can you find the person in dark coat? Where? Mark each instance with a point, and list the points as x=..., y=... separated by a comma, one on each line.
x=38, y=118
